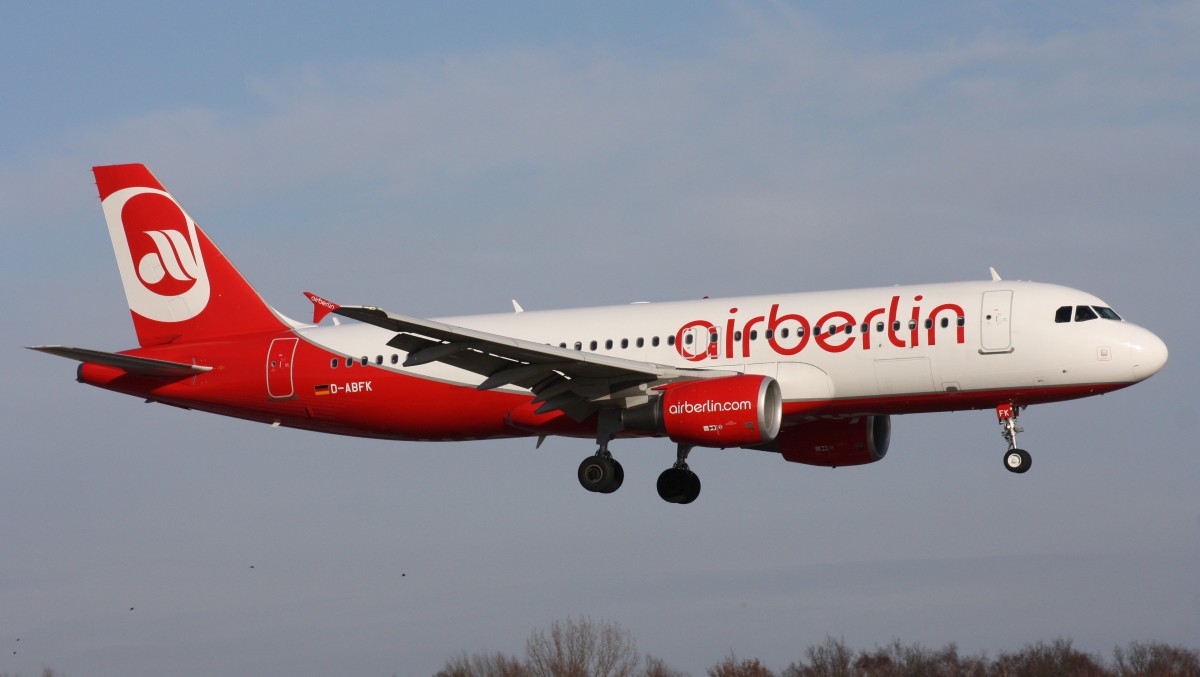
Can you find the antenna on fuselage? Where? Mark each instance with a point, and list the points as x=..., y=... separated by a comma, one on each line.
x=995, y=275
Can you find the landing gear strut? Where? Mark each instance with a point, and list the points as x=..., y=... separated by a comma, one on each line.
x=678, y=484
x=1015, y=460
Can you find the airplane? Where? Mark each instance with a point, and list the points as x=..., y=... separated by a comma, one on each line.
x=813, y=377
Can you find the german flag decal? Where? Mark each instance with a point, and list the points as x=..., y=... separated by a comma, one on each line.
x=321, y=390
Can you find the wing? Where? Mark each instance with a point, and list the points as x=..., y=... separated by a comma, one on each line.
x=132, y=364
x=574, y=382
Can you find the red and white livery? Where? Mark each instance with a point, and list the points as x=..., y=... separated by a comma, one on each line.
x=811, y=376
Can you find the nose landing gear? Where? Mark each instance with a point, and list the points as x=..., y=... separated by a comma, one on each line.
x=1015, y=460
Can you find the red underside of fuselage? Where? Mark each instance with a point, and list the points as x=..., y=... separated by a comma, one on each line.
x=368, y=401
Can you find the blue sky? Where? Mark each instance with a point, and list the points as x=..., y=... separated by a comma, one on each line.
x=443, y=161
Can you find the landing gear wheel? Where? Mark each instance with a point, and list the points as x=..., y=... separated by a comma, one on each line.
x=601, y=474
x=1017, y=460
x=618, y=476
x=678, y=485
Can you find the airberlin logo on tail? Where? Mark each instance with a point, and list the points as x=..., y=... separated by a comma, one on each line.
x=171, y=269
x=158, y=253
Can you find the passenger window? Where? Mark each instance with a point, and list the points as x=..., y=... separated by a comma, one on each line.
x=879, y=326
x=713, y=338
x=945, y=322
x=864, y=327
x=641, y=342
x=768, y=334
x=349, y=362
x=579, y=345
x=849, y=329
x=592, y=345
x=379, y=360
x=395, y=358
x=783, y=333
x=654, y=341
x=961, y=322
x=929, y=323
x=624, y=343
x=364, y=360
x=896, y=325
x=817, y=330
x=671, y=340
x=687, y=339
x=1084, y=313
x=737, y=335
x=608, y=344
x=333, y=364
x=753, y=334
x=1062, y=315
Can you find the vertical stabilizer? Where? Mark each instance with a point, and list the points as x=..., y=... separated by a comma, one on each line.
x=180, y=287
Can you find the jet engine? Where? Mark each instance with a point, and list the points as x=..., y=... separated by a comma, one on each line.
x=834, y=442
x=732, y=411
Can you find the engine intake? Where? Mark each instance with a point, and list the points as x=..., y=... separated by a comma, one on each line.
x=733, y=411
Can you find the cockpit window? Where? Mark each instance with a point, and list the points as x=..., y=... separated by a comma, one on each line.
x=1106, y=313
x=1085, y=313
x=1063, y=314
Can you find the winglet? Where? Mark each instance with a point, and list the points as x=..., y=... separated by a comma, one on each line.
x=321, y=307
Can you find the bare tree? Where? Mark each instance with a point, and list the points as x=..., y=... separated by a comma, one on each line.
x=482, y=665
x=581, y=648
x=899, y=659
x=1056, y=658
x=732, y=667
x=831, y=659
x=1155, y=660
x=656, y=667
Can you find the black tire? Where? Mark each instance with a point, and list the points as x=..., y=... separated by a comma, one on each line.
x=1017, y=460
x=670, y=487
x=617, y=478
x=692, y=487
x=596, y=473
x=678, y=485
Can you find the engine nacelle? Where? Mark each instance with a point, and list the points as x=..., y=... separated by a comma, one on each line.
x=848, y=441
x=734, y=411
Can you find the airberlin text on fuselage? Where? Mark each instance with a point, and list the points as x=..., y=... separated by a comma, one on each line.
x=790, y=333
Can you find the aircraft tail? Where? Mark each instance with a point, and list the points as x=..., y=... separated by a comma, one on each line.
x=180, y=287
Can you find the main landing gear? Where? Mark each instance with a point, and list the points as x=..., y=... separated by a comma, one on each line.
x=678, y=484
x=601, y=473
x=1015, y=460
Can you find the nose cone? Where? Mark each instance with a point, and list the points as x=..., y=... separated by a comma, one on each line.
x=1148, y=353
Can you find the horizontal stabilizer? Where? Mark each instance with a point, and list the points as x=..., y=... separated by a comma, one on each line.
x=130, y=363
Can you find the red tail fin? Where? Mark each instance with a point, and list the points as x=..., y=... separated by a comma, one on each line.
x=180, y=287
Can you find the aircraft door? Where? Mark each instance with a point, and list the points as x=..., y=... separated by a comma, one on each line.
x=995, y=332
x=698, y=341
x=279, y=369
